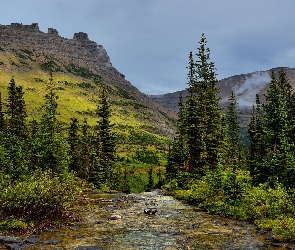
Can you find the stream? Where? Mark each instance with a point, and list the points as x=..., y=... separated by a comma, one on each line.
x=149, y=220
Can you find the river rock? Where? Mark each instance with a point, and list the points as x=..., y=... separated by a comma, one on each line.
x=32, y=239
x=10, y=240
x=17, y=246
x=52, y=242
x=150, y=211
x=116, y=217
x=88, y=248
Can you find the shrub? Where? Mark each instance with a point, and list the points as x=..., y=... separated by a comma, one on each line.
x=42, y=196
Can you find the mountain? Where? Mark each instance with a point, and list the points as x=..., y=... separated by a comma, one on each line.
x=245, y=87
x=78, y=65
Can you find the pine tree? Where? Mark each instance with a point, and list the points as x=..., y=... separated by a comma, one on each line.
x=102, y=171
x=205, y=127
x=271, y=149
x=233, y=127
x=178, y=154
x=16, y=110
x=2, y=117
x=50, y=144
x=86, y=150
x=279, y=157
x=75, y=164
x=256, y=131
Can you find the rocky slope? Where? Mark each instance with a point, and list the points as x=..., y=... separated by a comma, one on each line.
x=245, y=86
x=26, y=51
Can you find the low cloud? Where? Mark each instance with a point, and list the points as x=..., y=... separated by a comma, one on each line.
x=246, y=92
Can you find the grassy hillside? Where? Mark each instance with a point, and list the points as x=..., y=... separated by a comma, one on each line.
x=78, y=89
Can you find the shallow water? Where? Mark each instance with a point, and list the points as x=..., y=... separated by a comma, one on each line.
x=119, y=222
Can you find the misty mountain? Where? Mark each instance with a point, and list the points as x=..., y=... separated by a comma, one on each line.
x=245, y=87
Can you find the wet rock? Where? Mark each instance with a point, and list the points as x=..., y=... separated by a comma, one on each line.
x=10, y=240
x=116, y=217
x=62, y=235
x=289, y=246
x=88, y=248
x=277, y=244
x=52, y=242
x=178, y=233
x=33, y=239
x=194, y=226
x=74, y=227
x=262, y=232
x=150, y=211
x=52, y=229
x=100, y=222
x=17, y=246
x=214, y=233
x=269, y=236
x=78, y=236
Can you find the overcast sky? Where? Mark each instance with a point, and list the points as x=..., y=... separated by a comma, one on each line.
x=149, y=40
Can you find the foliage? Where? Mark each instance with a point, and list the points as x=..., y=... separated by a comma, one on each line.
x=40, y=197
x=83, y=72
x=271, y=131
x=146, y=156
x=102, y=170
x=51, y=66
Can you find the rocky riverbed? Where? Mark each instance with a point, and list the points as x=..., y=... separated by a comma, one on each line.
x=148, y=220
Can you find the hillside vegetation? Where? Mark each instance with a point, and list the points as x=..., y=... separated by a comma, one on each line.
x=210, y=167
x=69, y=121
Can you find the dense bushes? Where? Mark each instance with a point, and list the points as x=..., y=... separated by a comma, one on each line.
x=270, y=208
x=42, y=196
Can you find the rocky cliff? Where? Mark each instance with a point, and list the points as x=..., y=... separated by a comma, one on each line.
x=24, y=48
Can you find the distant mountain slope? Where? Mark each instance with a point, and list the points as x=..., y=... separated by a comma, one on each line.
x=245, y=86
x=78, y=66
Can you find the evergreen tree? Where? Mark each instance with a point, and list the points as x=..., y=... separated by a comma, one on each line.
x=50, y=144
x=102, y=170
x=75, y=164
x=2, y=117
x=271, y=149
x=178, y=154
x=205, y=127
x=16, y=110
x=256, y=131
x=233, y=127
x=86, y=150
x=279, y=158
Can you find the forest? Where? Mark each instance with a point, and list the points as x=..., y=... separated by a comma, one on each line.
x=46, y=165
x=209, y=166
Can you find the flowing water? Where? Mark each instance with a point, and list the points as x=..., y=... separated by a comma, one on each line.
x=152, y=220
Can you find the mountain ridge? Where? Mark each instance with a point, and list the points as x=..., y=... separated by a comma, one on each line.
x=25, y=50
x=245, y=87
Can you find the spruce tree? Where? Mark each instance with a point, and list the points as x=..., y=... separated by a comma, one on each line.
x=279, y=158
x=256, y=131
x=178, y=154
x=16, y=110
x=102, y=170
x=272, y=147
x=75, y=164
x=50, y=144
x=86, y=150
x=2, y=117
x=233, y=128
x=205, y=127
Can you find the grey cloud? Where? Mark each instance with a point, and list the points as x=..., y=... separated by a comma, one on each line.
x=149, y=40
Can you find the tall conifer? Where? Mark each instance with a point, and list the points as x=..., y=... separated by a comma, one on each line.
x=205, y=127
